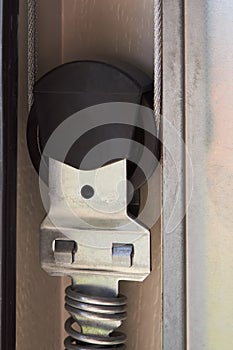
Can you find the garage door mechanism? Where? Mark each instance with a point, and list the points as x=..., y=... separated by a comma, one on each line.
x=88, y=134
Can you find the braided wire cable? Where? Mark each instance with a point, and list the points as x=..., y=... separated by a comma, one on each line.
x=157, y=61
x=32, y=49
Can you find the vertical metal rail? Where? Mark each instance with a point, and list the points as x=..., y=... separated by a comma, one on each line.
x=173, y=182
x=209, y=137
x=197, y=101
x=8, y=168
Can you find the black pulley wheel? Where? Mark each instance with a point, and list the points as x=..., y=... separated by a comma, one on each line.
x=75, y=86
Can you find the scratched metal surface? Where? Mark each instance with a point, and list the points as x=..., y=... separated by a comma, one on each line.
x=209, y=136
x=173, y=227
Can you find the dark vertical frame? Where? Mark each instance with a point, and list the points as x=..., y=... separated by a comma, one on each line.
x=8, y=168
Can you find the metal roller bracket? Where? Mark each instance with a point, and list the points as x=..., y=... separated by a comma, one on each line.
x=87, y=228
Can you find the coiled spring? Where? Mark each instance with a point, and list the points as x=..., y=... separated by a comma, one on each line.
x=97, y=317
